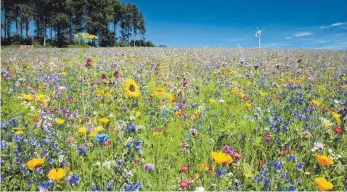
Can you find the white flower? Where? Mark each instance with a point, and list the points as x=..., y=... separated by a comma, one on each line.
x=199, y=189
x=318, y=145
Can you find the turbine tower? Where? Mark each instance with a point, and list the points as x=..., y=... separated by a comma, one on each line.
x=258, y=35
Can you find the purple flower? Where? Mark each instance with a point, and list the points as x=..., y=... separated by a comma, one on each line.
x=193, y=132
x=74, y=179
x=228, y=150
x=220, y=172
x=45, y=185
x=149, y=167
x=103, y=77
x=299, y=166
x=133, y=187
x=116, y=74
x=185, y=82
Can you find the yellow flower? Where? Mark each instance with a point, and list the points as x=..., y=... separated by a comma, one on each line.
x=92, y=134
x=324, y=160
x=82, y=130
x=212, y=100
x=104, y=120
x=132, y=89
x=100, y=93
x=323, y=184
x=248, y=105
x=32, y=164
x=19, y=133
x=327, y=125
x=99, y=129
x=234, y=91
x=170, y=96
x=137, y=114
x=315, y=102
x=56, y=174
x=249, y=174
x=337, y=118
x=155, y=133
x=63, y=73
x=60, y=121
x=159, y=92
x=220, y=157
x=28, y=97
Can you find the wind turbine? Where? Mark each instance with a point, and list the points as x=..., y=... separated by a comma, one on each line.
x=258, y=34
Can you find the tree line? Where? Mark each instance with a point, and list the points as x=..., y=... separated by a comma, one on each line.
x=57, y=21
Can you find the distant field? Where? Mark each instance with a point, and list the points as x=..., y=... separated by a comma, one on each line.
x=173, y=119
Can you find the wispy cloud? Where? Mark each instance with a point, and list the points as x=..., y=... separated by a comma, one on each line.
x=333, y=25
x=301, y=34
x=288, y=38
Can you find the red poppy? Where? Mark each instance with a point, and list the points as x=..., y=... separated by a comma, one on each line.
x=185, y=168
x=338, y=130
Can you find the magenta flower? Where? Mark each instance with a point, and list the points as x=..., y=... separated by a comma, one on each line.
x=149, y=167
x=116, y=74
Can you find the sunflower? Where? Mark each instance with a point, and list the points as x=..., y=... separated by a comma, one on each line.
x=132, y=89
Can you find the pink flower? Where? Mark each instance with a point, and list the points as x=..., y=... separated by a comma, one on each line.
x=62, y=88
x=107, y=143
x=338, y=130
x=185, y=168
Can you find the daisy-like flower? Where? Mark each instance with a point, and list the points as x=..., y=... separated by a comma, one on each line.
x=32, y=164
x=220, y=157
x=56, y=174
x=60, y=121
x=324, y=184
x=131, y=88
x=324, y=160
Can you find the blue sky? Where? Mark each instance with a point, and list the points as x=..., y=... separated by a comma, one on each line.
x=229, y=23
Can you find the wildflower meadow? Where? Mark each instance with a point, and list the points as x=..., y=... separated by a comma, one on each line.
x=173, y=119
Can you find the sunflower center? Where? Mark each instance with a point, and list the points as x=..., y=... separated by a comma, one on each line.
x=132, y=88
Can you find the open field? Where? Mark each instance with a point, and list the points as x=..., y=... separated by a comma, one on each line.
x=173, y=119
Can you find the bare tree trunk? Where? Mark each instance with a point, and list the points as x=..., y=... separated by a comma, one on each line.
x=44, y=34
x=27, y=29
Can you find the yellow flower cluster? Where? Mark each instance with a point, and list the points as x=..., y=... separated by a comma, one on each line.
x=220, y=157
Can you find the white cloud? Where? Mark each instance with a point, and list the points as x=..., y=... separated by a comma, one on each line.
x=287, y=38
x=332, y=25
x=301, y=34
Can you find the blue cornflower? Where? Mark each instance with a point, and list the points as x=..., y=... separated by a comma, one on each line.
x=267, y=181
x=131, y=187
x=82, y=150
x=292, y=188
x=277, y=166
x=300, y=166
x=17, y=138
x=74, y=179
x=138, y=144
x=220, y=172
x=131, y=128
x=30, y=183
x=4, y=125
x=292, y=158
x=285, y=128
x=4, y=145
x=39, y=170
x=45, y=185
x=95, y=188
x=109, y=186
x=120, y=162
x=22, y=166
x=101, y=138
